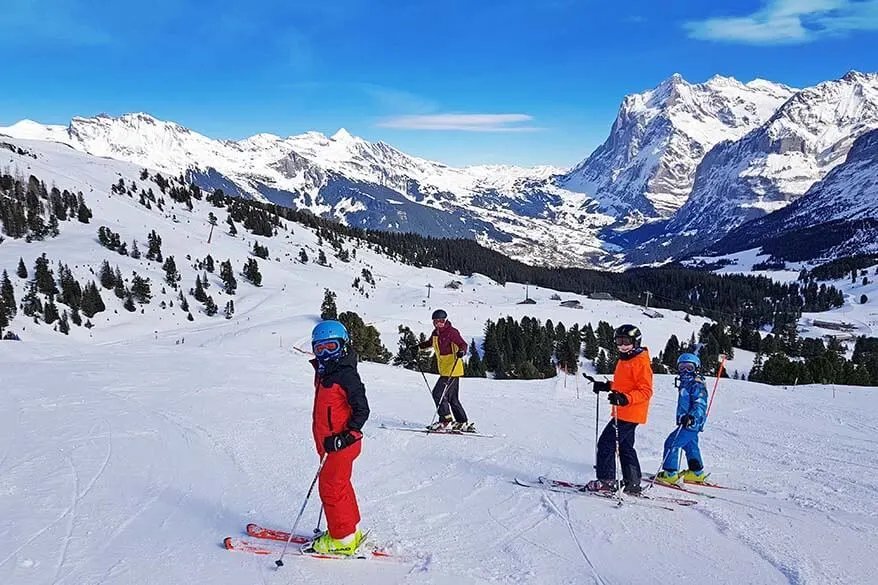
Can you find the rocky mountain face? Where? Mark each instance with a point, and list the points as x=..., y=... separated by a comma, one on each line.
x=837, y=216
x=646, y=167
x=769, y=167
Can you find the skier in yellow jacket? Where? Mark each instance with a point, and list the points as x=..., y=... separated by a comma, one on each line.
x=450, y=348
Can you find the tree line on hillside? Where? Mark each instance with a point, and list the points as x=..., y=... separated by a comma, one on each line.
x=30, y=210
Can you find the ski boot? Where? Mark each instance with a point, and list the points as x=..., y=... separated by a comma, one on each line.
x=668, y=477
x=601, y=485
x=690, y=476
x=325, y=544
x=441, y=425
x=464, y=427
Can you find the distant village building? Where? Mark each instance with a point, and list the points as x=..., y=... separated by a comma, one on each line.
x=526, y=302
x=455, y=284
x=833, y=325
x=601, y=296
x=573, y=304
x=653, y=314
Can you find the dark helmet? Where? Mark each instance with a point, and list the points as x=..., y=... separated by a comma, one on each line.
x=439, y=314
x=630, y=332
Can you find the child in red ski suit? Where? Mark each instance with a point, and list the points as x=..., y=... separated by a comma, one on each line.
x=340, y=411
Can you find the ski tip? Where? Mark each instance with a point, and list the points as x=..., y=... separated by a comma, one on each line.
x=252, y=527
x=227, y=543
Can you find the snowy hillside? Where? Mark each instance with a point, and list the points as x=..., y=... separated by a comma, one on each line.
x=362, y=184
x=771, y=166
x=134, y=474
x=128, y=451
x=647, y=165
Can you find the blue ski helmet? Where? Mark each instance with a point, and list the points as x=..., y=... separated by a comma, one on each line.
x=689, y=358
x=439, y=314
x=329, y=340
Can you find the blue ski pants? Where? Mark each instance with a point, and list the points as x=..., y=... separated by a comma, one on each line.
x=687, y=440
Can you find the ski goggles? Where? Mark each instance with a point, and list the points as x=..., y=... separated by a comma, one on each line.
x=687, y=367
x=326, y=348
x=623, y=341
x=438, y=321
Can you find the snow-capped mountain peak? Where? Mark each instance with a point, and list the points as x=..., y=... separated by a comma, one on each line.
x=647, y=165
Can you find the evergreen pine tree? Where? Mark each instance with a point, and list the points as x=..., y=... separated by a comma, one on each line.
x=475, y=367
x=208, y=263
x=328, y=309
x=321, y=258
x=671, y=352
x=106, y=276
x=184, y=303
x=129, y=304
x=7, y=293
x=4, y=316
x=140, y=289
x=50, y=312
x=135, y=251
x=22, y=269
x=407, y=351
x=31, y=304
x=303, y=256
x=64, y=324
x=44, y=277
x=210, y=308
x=172, y=275
x=251, y=272
x=230, y=284
x=199, y=293
x=230, y=309
x=590, y=342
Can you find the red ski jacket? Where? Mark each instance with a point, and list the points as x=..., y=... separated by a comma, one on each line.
x=339, y=400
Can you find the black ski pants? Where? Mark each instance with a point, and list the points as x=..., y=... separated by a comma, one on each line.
x=450, y=404
x=606, y=464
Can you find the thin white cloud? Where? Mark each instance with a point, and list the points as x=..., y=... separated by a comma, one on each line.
x=790, y=22
x=462, y=122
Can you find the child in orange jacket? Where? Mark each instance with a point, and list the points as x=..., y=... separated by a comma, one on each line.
x=629, y=393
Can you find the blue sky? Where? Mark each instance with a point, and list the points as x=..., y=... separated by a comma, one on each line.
x=460, y=81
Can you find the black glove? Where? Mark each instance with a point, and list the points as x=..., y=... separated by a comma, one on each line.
x=687, y=421
x=598, y=387
x=340, y=441
x=461, y=354
x=617, y=399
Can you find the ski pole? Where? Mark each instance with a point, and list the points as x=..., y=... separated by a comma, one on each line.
x=448, y=385
x=597, y=414
x=280, y=562
x=319, y=520
x=418, y=364
x=618, y=462
x=719, y=374
x=665, y=457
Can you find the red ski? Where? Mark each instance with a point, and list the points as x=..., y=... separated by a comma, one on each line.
x=257, y=531
x=270, y=542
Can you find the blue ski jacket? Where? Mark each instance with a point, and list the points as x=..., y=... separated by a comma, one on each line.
x=692, y=400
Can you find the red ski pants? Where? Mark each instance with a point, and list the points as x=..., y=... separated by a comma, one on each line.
x=337, y=492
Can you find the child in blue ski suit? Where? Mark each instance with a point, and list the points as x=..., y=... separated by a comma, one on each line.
x=691, y=416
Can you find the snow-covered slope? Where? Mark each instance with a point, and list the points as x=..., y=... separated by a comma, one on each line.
x=373, y=185
x=128, y=451
x=646, y=166
x=838, y=216
x=771, y=166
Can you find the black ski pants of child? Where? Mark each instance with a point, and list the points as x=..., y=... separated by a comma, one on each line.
x=606, y=464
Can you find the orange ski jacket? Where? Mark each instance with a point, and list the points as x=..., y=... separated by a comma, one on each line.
x=633, y=378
